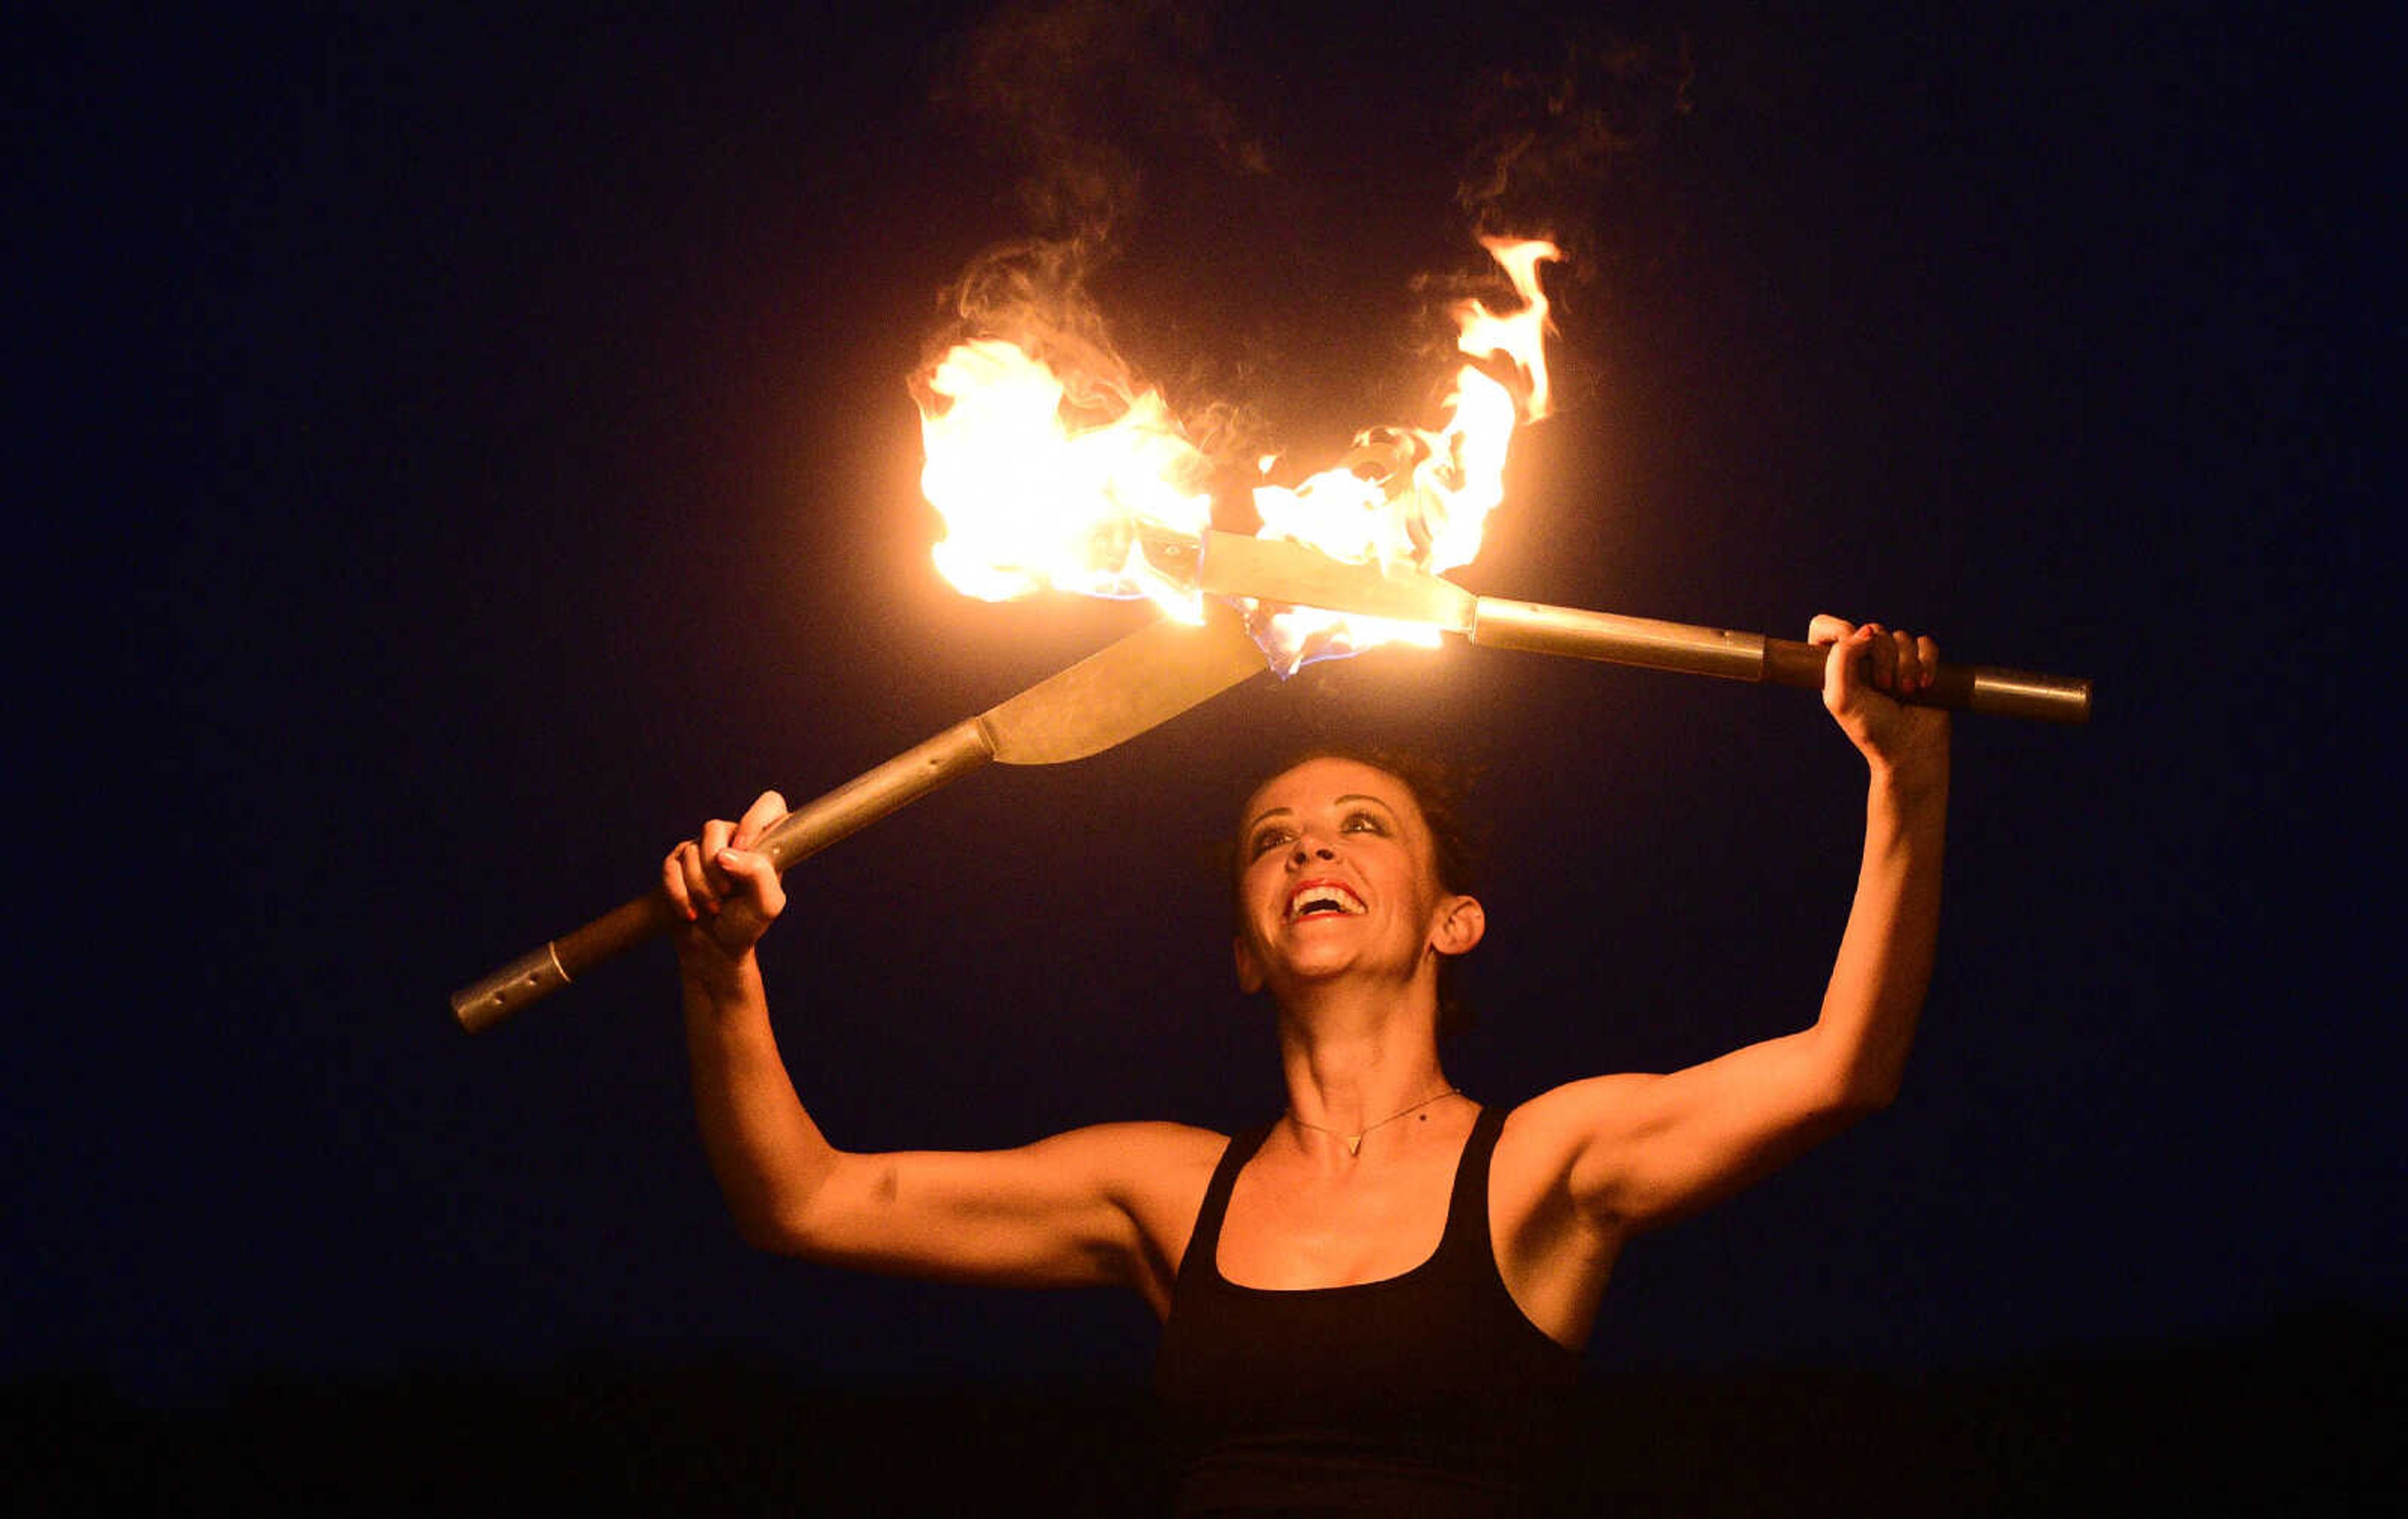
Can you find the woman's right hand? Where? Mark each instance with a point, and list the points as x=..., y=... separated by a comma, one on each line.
x=724, y=893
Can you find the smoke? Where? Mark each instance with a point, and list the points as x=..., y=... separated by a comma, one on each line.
x=1076, y=97
x=1083, y=106
x=1308, y=295
x=1569, y=150
x=1034, y=295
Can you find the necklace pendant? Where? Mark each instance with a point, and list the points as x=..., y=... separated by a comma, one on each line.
x=1355, y=1144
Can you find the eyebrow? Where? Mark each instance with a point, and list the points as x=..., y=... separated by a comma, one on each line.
x=1351, y=796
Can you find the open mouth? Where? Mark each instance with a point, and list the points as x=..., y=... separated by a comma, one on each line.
x=1324, y=899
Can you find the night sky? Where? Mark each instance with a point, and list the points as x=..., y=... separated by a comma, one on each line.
x=464, y=452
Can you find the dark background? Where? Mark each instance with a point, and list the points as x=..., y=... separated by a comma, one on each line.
x=457, y=452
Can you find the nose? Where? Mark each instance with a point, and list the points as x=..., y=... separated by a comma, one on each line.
x=1309, y=849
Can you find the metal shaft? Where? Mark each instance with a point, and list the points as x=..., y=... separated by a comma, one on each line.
x=1297, y=575
x=1141, y=680
x=849, y=808
x=1752, y=656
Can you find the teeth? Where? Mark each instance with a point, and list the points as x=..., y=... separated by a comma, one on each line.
x=1311, y=897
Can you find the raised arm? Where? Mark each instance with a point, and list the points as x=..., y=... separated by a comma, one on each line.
x=1637, y=1149
x=1103, y=1205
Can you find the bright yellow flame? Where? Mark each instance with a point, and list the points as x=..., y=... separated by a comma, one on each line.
x=1034, y=493
x=1039, y=488
x=1432, y=510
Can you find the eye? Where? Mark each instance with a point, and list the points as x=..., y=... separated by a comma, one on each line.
x=1268, y=838
x=1360, y=821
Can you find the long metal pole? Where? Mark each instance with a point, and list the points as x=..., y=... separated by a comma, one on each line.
x=849, y=808
x=1295, y=575
x=1752, y=656
x=1121, y=690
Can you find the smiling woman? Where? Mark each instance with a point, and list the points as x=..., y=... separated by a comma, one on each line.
x=1440, y=791
x=1338, y=866
x=1372, y=1303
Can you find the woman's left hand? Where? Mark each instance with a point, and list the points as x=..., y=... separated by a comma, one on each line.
x=1867, y=666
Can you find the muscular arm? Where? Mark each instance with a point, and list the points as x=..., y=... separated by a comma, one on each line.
x=770, y=1155
x=1638, y=1149
x=1098, y=1206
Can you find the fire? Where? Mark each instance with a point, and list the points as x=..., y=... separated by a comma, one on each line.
x=1039, y=488
x=1410, y=497
x=1043, y=487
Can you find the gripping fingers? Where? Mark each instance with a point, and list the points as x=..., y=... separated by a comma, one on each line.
x=1881, y=656
x=1904, y=669
x=712, y=876
x=753, y=881
x=673, y=883
x=1849, y=660
x=693, y=885
x=1904, y=663
x=1870, y=677
x=745, y=869
x=766, y=812
x=682, y=879
x=1885, y=659
x=701, y=875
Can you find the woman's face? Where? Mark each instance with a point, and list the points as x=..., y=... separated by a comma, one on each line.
x=1337, y=873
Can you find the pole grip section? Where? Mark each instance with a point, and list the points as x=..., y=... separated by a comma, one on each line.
x=1972, y=688
x=849, y=808
x=1690, y=650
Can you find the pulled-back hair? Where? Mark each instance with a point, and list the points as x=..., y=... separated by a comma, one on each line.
x=1442, y=788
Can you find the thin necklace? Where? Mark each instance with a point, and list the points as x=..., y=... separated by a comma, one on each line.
x=1354, y=1141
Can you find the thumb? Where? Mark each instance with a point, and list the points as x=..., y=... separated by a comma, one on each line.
x=757, y=876
x=1842, y=667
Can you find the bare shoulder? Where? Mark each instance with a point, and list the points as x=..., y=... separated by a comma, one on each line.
x=1156, y=1174
x=1158, y=1170
x=1112, y=1203
x=1548, y=1137
x=1139, y=1150
x=1571, y=1114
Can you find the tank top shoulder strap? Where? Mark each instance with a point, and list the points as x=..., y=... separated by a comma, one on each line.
x=1467, y=1208
x=1204, y=1241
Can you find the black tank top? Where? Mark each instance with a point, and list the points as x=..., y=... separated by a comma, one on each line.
x=1425, y=1394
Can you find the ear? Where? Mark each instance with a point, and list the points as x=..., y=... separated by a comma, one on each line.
x=1250, y=965
x=1462, y=923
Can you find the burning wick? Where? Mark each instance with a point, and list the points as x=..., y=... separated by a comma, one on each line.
x=1045, y=484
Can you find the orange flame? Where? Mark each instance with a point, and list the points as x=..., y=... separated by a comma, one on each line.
x=1428, y=508
x=1042, y=488
x=1038, y=489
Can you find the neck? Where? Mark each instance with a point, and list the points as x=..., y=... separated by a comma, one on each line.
x=1344, y=1074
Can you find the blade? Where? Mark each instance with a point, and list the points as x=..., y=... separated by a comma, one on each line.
x=1298, y=575
x=1121, y=690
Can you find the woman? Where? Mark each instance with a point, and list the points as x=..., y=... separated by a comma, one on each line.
x=1396, y=1278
